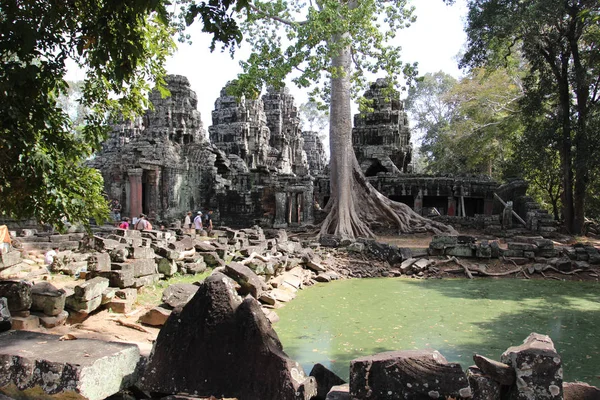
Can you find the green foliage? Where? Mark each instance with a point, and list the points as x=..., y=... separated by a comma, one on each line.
x=559, y=42
x=299, y=39
x=469, y=125
x=122, y=46
x=313, y=116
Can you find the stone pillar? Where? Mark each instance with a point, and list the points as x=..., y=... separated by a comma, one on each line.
x=134, y=201
x=153, y=193
x=280, y=210
x=451, y=206
x=419, y=203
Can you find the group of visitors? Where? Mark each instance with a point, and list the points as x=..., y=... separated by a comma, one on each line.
x=141, y=223
x=202, y=221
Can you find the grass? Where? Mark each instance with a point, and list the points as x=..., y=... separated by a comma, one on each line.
x=152, y=294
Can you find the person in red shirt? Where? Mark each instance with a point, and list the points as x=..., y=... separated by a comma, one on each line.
x=124, y=223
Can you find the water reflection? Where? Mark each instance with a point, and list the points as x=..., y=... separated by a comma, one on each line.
x=335, y=323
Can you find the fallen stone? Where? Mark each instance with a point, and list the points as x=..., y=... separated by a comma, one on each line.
x=483, y=386
x=28, y=323
x=323, y=277
x=501, y=373
x=249, y=282
x=53, y=321
x=10, y=258
x=409, y=374
x=17, y=294
x=47, y=299
x=267, y=298
x=580, y=391
x=538, y=369
x=142, y=253
x=120, y=279
x=326, y=380
x=99, y=262
x=120, y=306
x=108, y=294
x=156, y=316
x=73, y=369
x=146, y=280
x=282, y=295
x=83, y=306
x=340, y=392
x=179, y=294
x=220, y=345
x=5, y=319
x=91, y=289
x=167, y=266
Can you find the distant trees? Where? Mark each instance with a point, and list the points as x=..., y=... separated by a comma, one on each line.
x=469, y=125
x=560, y=42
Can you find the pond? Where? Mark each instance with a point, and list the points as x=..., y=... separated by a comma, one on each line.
x=336, y=322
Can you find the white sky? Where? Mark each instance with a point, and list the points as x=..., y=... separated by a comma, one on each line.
x=434, y=41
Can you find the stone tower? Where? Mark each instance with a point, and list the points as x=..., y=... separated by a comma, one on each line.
x=381, y=138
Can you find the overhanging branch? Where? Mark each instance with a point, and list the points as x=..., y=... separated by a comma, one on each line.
x=275, y=17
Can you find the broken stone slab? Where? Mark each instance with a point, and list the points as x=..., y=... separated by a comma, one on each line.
x=267, y=298
x=282, y=295
x=37, y=365
x=142, y=253
x=179, y=294
x=580, y=391
x=340, y=392
x=10, y=258
x=212, y=259
x=501, y=373
x=326, y=380
x=120, y=306
x=220, y=345
x=408, y=374
x=17, y=294
x=146, y=280
x=83, y=306
x=323, y=277
x=167, y=266
x=5, y=318
x=91, y=288
x=99, y=262
x=249, y=282
x=156, y=316
x=538, y=369
x=28, y=323
x=483, y=386
x=194, y=267
x=49, y=322
x=139, y=267
x=47, y=299
x=120, y=279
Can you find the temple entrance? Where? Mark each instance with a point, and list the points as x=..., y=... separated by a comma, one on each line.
x=440, y=203
x=375, y=168
x=408, y=200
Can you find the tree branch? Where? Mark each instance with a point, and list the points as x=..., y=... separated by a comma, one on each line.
x=275, y=17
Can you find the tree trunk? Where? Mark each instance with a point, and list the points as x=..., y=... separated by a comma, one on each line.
x=354, y=203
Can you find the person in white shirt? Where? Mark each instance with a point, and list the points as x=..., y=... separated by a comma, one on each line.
x=49, y=256
x=198, y=221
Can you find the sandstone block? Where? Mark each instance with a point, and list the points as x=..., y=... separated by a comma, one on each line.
x=326, y=380
x=143, y=253
x=74, y=369
x=83, y=306
x=5, y=319
x=10, y=258
x=120, y=279
x=409, y=374
x=146, y=280
x=120, y=306
x=156, y=316
x=538, y=369
x=91, y=288
x=167, y=266
x=99, y=262
x=340, y=392
x=25, y=323
x=483, y=386
x=47, y=299
x=52, y=321
x=17, y=294
x=179, y=294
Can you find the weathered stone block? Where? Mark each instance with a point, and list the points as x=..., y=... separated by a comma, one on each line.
x=83, y=306
x=91, y=288
x=143, y=253
x=53, y=321
x=17, y=294
x=25, y=323
x=538, y=369
x=99, y=262
x=512, y=253
x=156, y=316
x=460, y=251
x=408, y=374
x=120, y=279
x=179, y=294
x=59, y=238
x=522, y=246
x=340, y=392
x=47, y=299
x=482, y=386
x=146, y=280
x=5, y=319
x=250, y=282
x=8, y=259
x=326, y=380
x=120, y=306
x=75, y=369
x=167, y=267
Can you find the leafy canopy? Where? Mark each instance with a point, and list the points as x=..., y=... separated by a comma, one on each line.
x=122, y=46
x=298, y=39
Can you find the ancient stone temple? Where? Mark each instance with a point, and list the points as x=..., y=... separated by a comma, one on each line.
x=315, y=152
x=163, y=165
x=381, y=137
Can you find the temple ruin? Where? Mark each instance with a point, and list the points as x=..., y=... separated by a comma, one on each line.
x=257, y=166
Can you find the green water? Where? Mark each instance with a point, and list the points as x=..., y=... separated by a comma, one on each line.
x=336, y=322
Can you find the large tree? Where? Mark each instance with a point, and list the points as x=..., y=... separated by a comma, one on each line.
x=337, y=41
x=560, y=40
x=122, y=47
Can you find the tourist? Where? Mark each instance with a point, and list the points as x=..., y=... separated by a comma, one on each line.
x=124, y=223
x=198, y=222
x=208, y=221
x=49, y=256
x=141, y=223
x=187, y=221
x=116, y=210
x=148, y=225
